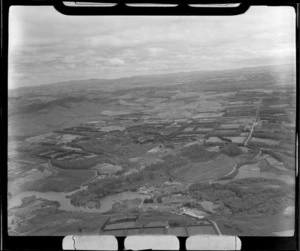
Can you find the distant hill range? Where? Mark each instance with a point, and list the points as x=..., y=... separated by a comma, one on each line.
x=38, y=109
x=273, y=71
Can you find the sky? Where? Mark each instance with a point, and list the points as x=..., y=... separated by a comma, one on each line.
x=46, y=46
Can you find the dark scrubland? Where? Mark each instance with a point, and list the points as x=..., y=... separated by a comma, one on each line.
x=197, y=153
x=231, y=150
x=246, y=196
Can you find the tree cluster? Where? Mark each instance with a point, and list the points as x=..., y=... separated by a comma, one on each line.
x=247, y=196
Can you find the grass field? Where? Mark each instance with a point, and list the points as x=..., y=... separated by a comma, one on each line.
x=253, y=225
x=238, y=140
x=107, y=168
x=228, y=132
x=214, y=140
x=230, y=126
x=206, y=171
x=265, y=141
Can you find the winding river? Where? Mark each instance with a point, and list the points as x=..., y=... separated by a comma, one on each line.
x=65, y=203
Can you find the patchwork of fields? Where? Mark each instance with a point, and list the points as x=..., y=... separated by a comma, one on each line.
x=173, y=150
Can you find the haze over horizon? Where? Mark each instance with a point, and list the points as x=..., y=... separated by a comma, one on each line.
x=72, y=81
x=47, y=47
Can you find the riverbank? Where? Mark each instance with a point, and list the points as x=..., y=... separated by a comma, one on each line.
x=64, y=200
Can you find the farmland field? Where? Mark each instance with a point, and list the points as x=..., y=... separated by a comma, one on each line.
x=265, y=141
x=214, y=140
x=203, y=129
x=238, y=140
x=230, y=126
x=276, y=163
x=206, y=171
x=253, y=171
x=107, y=168
x=226, y=132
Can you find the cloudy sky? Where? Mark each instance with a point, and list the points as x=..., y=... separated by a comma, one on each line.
x=46, y=46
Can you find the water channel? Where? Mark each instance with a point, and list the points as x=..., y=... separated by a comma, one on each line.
x=65, y=203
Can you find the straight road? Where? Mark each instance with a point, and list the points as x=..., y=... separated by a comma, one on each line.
x=250, y=134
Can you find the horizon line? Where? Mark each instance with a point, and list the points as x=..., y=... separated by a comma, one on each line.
x=154, y=74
